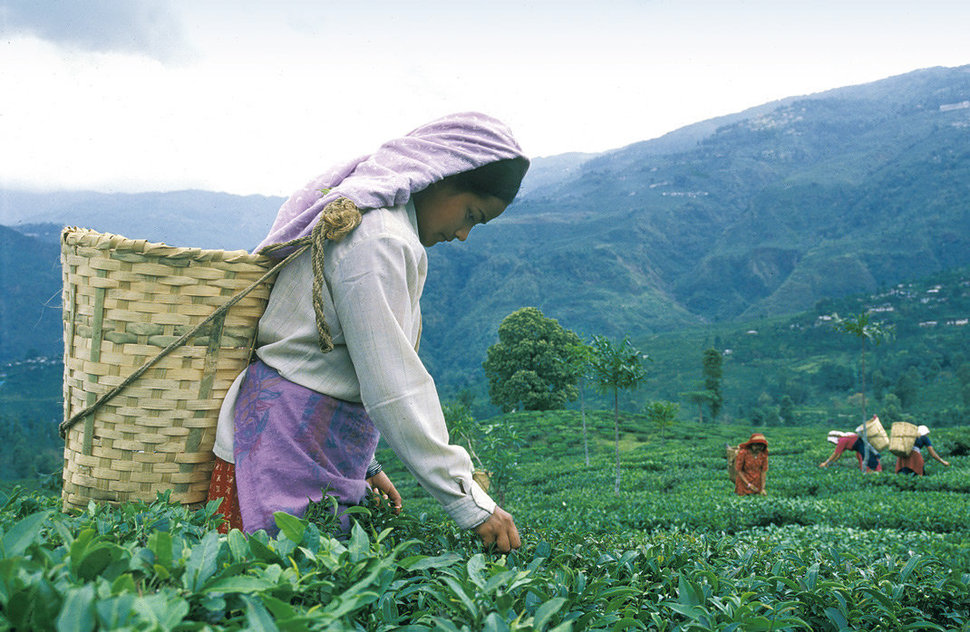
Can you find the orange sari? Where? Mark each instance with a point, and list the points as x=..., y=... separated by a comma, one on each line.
x=753, y=467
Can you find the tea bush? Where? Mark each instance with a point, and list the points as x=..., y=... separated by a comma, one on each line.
x=675, y=550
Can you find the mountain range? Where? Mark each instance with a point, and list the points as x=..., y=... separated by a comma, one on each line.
x=763, y=212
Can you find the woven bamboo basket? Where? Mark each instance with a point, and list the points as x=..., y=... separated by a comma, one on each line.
x=125, y=301
x=877, y=434
x=903, y=436
x=731, y=454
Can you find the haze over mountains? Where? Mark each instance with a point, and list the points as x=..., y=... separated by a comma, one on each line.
x=758, y=213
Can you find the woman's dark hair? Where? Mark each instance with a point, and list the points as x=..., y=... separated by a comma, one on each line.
x=500, y=179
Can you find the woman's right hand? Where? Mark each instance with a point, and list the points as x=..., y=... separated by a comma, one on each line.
x=499, y=531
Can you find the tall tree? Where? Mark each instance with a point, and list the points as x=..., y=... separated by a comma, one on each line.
x=908, y=386
x=580, y=357
x=699, y=399
x=863, y=328
x=527, y=368
x=615, y=366
x=786, y=410
x=866, y=330
x=713, y=372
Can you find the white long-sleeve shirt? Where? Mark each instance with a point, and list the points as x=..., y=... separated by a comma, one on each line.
x=374, y=279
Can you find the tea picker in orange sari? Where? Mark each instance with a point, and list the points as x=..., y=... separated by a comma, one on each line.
x=337, y=363
x=752, y=466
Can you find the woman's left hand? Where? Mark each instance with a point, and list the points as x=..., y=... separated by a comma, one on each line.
x=383, y=487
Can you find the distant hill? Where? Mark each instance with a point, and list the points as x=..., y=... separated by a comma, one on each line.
x=760, y=213
x=818, y=196
x=198, y=219
x=30, y=300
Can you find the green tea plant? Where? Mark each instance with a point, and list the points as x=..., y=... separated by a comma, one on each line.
x=676, y=550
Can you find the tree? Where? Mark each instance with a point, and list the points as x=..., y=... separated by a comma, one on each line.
x=862, y=327
x=615, y=366
x=907, y=387
x=662, y=415
x=699, y=399
x=712, y=368
x=786, y=410
x=963, y=374
x=866, y=330
x=892, y=409
x=580, y=357
x=527, y=367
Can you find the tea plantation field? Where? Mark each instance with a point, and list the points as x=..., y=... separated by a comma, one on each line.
x=675, y=550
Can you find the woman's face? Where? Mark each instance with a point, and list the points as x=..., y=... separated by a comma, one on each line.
x=757, y=448
x=445, y=213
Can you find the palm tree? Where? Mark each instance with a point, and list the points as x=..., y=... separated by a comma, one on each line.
x=615, y=366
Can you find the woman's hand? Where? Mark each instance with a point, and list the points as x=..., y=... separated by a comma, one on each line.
x=823, y=464
x=499, y=530
x=382, y=487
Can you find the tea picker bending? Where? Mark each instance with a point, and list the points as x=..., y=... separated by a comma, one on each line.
x=852, y=441
x=913, y=463
x=337, y=364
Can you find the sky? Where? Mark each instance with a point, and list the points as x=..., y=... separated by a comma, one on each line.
x=251, y=97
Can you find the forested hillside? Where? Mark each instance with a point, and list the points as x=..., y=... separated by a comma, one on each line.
x=759, y=214
x=823, y=196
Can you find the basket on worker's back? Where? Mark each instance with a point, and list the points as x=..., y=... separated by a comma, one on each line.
x=877, y=434
x=902, y=438
x=731, y=454
x=150, y=427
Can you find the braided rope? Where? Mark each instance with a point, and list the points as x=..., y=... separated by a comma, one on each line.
x=337, y=219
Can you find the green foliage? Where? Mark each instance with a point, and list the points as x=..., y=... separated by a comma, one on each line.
x=662, y=415
x=826, y=549
x=494, y=447
x=616, y=366
x=462, y=428
x=713, y=373
x=530, y=366
x=700, y=399
x=501, y=452
x=863, y=327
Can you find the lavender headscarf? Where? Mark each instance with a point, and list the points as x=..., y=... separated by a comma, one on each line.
x=452, y=144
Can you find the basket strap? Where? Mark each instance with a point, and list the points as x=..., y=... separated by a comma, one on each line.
x=336, y=220
x=67, y=424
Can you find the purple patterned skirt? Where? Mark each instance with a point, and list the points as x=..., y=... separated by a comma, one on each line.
x=291, y=444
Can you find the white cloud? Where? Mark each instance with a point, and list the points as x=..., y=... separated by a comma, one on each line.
x=147, y=27
x=272, y=92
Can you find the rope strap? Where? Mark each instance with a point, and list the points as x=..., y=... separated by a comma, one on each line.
x=337, y=219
